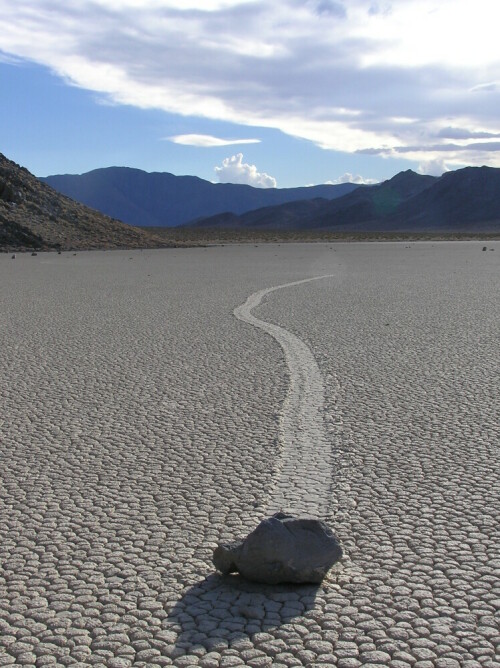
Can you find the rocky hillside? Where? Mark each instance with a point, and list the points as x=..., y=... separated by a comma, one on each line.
x=34, y=216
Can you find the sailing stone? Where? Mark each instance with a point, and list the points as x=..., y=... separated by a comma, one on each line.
x=282, y=549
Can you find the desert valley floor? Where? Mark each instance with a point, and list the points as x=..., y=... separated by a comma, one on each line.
x=143, y=422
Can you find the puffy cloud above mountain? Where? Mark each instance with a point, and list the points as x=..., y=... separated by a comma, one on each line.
x=396, y=79
x=353, y=178
x=234, y=170
x=433, y=167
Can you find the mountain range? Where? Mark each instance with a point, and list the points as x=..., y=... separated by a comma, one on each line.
x=160, y=199
x=34, y=216
x=464, y=200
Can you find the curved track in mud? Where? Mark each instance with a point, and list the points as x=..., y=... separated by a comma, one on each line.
x=304, y=472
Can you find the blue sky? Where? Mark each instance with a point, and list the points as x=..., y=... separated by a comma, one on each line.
x=287, y=93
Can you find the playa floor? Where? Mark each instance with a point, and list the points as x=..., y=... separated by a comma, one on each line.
x=142, y=423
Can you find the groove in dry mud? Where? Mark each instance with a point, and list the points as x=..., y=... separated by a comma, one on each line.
x=304, y=472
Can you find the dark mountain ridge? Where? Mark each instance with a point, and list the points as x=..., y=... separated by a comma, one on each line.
x=363, y=204
x=151, y=199
x=469, y=196
x=462, y=200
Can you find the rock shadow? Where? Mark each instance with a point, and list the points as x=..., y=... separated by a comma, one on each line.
x=225, y=608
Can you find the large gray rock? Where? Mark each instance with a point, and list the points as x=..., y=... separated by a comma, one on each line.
x=281, y=549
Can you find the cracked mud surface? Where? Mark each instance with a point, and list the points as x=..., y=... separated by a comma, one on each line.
x=140, y=427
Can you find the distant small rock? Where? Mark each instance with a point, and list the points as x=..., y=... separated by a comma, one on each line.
x=282, y=549
x=33, y=254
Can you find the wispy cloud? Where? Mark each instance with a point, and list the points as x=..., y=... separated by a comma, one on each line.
x=207, y=141
x=234, y=170
x=490, y=87
x=339, y=74
x=10, y=60
x=454, y=149
x=463, y=133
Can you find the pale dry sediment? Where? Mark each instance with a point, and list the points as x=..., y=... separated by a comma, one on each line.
x=303, y=473
x=140, y=428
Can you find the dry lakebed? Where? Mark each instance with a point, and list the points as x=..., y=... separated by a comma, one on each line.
x=157, y=402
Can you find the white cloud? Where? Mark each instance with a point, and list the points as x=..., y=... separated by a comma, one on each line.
x=234, y=170
x=207, y=141
x=429, y=32
x=351, y=76
x=490, y=87
x=435, y=167
x=353, y=178
x=464, y=133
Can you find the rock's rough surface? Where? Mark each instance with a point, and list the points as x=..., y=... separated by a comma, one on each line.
x=282, y=549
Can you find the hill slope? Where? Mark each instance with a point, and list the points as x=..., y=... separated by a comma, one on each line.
x=464, y=200
x=467, y=198
x=162, y=199
x=33, y=215
x=356, y=208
